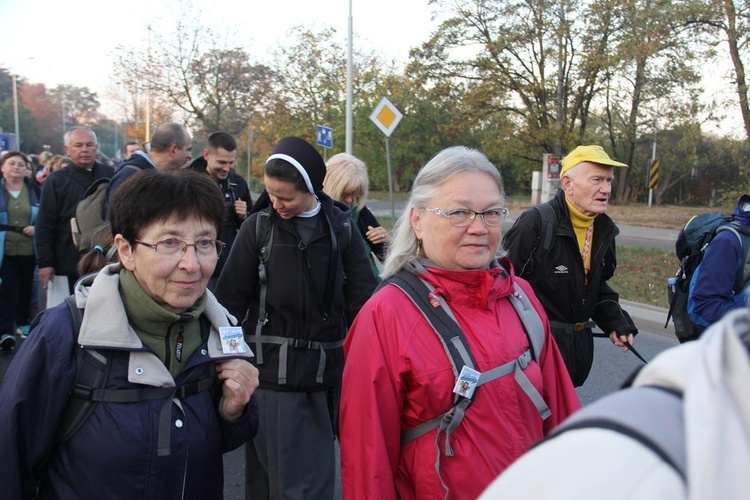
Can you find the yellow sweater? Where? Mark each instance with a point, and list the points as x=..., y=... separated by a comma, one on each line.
x=584, y=229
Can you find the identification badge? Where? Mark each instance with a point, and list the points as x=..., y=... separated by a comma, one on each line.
x=467, y=382
x=232, y=340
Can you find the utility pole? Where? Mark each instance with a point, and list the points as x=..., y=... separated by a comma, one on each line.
x=349, y=97
x=15, y=112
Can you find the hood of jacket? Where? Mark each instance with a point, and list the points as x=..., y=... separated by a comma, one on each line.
x=105, y=325
x=479, y=288
x=742, y=211
x=712, y=373
x=198, y=165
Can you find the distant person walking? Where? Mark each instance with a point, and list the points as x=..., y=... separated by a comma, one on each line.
x=170, y=146
x=218, y=162
x=570, y=277
x=347, y=181
x=19, y=206
x=714, y=288
x=57, y=255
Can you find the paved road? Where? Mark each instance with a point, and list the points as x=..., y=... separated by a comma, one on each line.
x=629, y=235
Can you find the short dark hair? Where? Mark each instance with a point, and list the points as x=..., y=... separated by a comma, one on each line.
x=222, y=140
x=167, y=134
x=10, y=154
x=152, y=196
x=284, y=171
x=131, y=143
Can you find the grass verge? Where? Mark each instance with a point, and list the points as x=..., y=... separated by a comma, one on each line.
x=642, y=273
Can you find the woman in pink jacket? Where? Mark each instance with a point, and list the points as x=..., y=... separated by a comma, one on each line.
x=399, y=378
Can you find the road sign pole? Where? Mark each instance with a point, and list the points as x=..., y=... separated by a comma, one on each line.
x=390, y=178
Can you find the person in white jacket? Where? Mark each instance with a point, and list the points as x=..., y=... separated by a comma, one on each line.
x=710, y=430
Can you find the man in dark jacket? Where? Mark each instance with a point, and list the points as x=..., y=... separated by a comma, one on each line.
x=571, y=279
x=61, y=192
x=170, y=146
x=318, y=277
x=218, y=161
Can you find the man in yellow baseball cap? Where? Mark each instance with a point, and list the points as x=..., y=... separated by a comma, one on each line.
x=565, y=248
x=591, y=154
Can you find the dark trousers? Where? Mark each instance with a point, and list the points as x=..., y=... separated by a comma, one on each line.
x=17, y=273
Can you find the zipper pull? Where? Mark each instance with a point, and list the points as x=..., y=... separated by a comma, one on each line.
x=180, y=337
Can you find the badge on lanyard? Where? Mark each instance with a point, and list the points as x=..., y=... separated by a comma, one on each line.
x=232, y=340
x=467, y=381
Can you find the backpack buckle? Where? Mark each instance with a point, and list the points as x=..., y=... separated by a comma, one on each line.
x=303, y=344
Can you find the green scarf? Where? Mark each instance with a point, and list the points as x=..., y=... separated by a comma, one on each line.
x=158, y=327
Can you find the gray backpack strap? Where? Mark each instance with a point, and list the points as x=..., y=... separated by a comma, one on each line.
x=532, y=323
x=441, y=318
x=651, y=415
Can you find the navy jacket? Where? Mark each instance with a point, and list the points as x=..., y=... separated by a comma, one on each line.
x=114, y=454
x=712, y=292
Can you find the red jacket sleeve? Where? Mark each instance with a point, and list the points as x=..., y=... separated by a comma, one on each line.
x=370, y=421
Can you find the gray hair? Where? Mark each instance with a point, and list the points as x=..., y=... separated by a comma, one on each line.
x=439, y=169
x=66, y=136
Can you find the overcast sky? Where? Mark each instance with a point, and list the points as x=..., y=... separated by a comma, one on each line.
x=71, y=42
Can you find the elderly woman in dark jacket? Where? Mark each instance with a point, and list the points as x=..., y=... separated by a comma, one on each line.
x=175, y=398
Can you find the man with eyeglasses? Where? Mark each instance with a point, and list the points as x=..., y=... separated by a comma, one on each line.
x=57, y=255
x=566, y=249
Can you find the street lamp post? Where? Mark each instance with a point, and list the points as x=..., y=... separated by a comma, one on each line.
x=15, y=112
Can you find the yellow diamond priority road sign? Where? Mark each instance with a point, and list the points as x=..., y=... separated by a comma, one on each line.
x=386, y=116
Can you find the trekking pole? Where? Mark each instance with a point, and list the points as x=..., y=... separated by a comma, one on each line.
x=637, y=354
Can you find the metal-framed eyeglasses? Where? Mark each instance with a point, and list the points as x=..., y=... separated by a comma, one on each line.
x=462, y=217
x=172, y=246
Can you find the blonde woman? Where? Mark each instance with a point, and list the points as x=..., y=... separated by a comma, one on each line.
x=347, y=181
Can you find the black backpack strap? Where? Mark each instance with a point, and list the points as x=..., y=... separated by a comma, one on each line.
x=264, y=241
x=743, y=235
x=547, y=235
x=92, y=372
x=264, y=230
x=651, y=415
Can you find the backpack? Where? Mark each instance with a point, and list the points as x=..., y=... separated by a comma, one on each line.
x=690, y=248
x=91, y=213
x=438, y=314
x=90, y=382
x=264, y=231
x=651, y=415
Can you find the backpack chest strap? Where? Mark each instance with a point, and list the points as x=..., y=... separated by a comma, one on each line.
x=450, y=420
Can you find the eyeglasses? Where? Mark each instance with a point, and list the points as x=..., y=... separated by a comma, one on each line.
x=462, y=217
x=173, y=246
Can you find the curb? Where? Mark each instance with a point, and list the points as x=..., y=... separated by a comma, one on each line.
x=649, y=318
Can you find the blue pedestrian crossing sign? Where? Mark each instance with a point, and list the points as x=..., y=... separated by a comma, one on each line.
x=325, y=136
